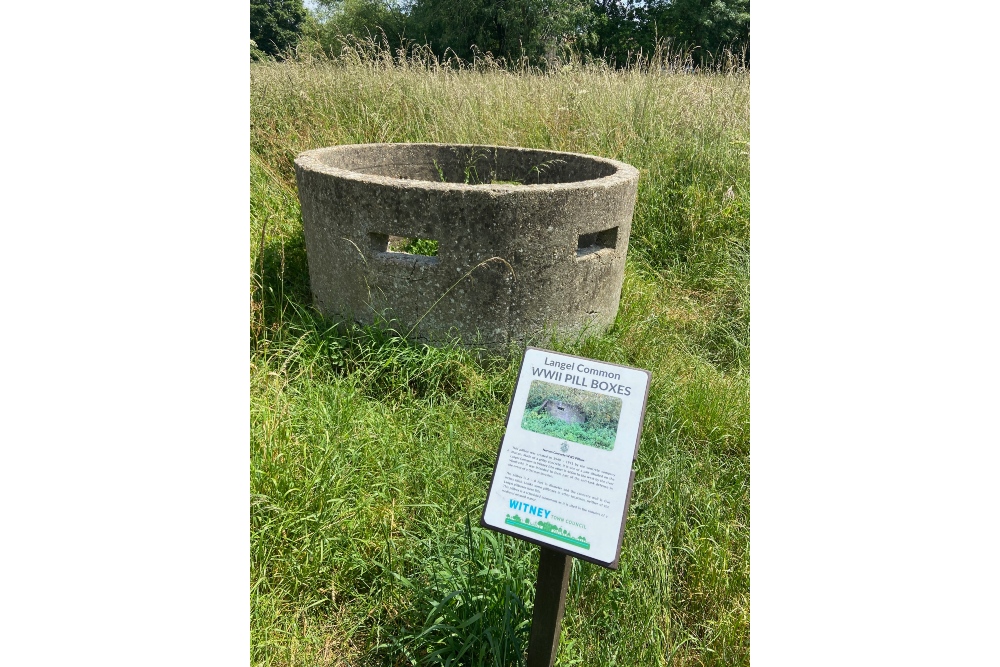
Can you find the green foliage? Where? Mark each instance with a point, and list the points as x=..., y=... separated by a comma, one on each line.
x=275, y=25
x=361, y=18
x=602, y=438
x=414, y=246
x=427, y=247
x=710, y=25
x=621, y=30
x=506, y=28
x=544, y=31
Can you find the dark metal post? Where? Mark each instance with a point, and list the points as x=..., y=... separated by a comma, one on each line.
x=550, y=602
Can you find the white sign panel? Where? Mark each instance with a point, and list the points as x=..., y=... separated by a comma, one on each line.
x=563, y=476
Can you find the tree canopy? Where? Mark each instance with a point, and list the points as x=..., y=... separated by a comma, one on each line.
x=505, y=28
x=275, y=25
x=536, y=29
x=708, y=25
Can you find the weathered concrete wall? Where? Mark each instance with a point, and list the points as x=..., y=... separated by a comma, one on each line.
x=570, y=414
x=564, y=232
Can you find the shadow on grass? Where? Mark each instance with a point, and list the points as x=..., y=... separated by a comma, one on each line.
x=290, y=334
x=280, y=279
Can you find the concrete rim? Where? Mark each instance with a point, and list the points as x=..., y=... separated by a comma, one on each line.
x=310, y=160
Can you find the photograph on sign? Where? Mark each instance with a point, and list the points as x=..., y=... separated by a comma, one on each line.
x=564, y=470
x=578, y=415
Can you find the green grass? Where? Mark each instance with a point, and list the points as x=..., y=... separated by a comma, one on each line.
x=371, y=456
x=585, y=434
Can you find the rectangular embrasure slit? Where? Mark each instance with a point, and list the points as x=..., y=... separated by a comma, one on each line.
x=597, y=241
x=413, y=246
x=388, y=246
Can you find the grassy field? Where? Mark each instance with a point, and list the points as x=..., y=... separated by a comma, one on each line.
x=371, y=456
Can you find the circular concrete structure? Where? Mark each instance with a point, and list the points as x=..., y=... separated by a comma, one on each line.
x=560, y=221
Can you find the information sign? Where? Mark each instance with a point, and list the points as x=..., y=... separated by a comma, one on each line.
x=563, y=476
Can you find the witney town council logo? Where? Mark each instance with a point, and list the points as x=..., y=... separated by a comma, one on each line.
x=564, y=446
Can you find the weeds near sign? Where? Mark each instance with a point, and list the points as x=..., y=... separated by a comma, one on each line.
x=474, y=597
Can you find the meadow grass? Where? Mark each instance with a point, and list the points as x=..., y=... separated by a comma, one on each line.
x=371, y=456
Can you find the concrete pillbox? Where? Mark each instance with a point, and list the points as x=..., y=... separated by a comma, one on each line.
x=560, y=220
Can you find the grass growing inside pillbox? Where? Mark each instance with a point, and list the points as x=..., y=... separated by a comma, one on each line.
x=371, y=456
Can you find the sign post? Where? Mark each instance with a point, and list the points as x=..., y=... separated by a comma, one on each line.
x=550, y=602
x=563, y=476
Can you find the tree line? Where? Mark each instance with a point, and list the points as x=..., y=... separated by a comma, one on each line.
x=538, y=30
